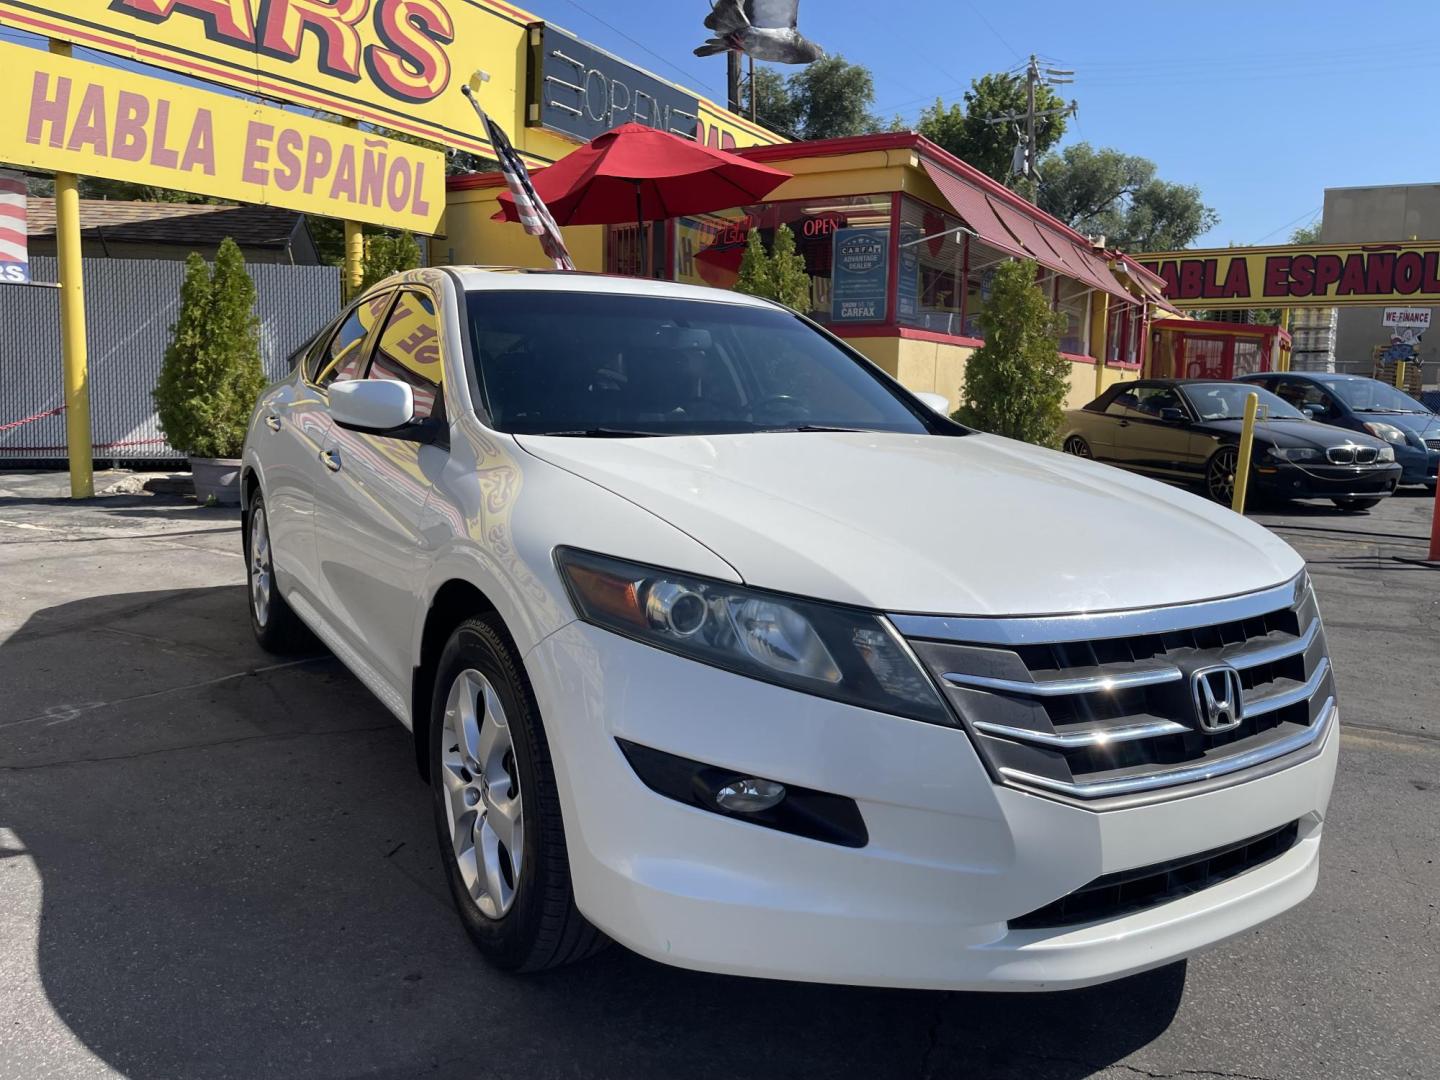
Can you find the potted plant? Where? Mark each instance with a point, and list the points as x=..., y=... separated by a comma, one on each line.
x=212, y=373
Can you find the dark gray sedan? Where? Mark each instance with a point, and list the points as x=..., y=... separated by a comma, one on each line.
x=1188, y=430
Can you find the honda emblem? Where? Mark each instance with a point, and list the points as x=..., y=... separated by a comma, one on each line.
x=1219, y=698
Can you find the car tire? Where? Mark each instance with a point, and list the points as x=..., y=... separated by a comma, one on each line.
x=493, y=786
x=1079, y=447
x=276, y=626
x=1220, y=475
x=1351, y=506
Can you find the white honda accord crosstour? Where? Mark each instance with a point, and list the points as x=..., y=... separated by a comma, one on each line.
x=717, y=642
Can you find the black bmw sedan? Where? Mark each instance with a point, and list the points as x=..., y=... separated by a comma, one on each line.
x=1188, y=430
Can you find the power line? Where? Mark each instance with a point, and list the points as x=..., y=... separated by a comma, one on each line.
x=1311, y=214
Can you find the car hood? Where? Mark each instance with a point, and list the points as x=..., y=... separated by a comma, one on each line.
x=1311, y=433
x=914, y=523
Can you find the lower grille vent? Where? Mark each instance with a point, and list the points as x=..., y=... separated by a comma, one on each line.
x=1128, y=891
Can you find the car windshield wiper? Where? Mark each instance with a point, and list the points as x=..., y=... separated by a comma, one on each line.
x=812, y=427
x=600, y=433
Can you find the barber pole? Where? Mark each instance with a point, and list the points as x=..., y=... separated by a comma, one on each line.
x=14, y=246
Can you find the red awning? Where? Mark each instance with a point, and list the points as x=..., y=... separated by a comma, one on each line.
x=972, y=206
x=1013, y=231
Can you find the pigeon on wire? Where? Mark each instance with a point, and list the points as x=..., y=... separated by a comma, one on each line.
x=763, y=29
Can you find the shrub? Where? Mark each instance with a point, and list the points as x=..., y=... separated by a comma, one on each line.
x=1015, y=385
x=212, y=375
x=388, y=253
x=779, y=276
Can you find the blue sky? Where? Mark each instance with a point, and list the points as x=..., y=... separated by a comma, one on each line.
x=1263, y=105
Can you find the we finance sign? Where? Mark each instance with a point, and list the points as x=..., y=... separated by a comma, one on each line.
x=1300, y=275
x=66, y=115
x=396, y=63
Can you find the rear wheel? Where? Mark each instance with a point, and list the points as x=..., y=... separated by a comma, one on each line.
x=1079, y=447
x=1220, y=475
x=1351, y=506
x=276, y=626
x=497, y=811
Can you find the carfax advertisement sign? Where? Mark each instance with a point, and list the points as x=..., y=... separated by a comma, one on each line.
x=861, y=275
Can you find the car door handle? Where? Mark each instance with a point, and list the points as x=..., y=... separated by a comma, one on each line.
x=331, y=458
x=272, y=422
x=1124, y=423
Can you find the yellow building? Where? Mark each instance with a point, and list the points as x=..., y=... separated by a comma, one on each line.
x=900, y=240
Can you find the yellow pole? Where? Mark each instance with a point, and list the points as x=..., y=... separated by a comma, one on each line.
x=354, y=258
x=1399, y=374
x=74, y=362
x=354, y=272
x=1247, y=444
x=1285, y=325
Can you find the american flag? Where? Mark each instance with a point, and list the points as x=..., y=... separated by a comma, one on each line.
x=14, y=252
x=534, y=214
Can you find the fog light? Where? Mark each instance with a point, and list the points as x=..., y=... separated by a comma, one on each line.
x=749, y=796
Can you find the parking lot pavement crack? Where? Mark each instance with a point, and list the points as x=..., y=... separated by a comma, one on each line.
x=66, y=712
x=183, y=747
x=1201, y=1074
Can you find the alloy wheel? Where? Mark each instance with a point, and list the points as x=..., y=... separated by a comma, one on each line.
x=1078, y=446
x=262, y=576
x=482, y=793
x=1220, y=476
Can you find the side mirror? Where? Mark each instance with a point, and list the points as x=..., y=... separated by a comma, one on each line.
x=1172, y=416
x=377, y=406
x=1313, y=410
x=936, y=402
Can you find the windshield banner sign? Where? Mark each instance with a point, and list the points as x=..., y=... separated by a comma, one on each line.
x=862, y=275
x=1308, y=275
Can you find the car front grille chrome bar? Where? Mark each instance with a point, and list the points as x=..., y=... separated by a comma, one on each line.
x=1304, y=692
x=1189, y=774
x=1076, y=739
x=1089, y=684
x=1245, y=659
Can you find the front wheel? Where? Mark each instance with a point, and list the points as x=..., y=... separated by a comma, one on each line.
x=276, y=626
x=1351, y=506
x=1079, y=447
x=497, y=811
x=1220, y=475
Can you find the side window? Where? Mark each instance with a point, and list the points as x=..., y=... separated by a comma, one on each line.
x=1300, y=394
x=1155, y=398
x=409, y=351
x=1124, y=403
x=344, y=356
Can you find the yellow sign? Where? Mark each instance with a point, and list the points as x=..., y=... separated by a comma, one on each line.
x=66, y=115
x=1304, y=275
x=392, y=63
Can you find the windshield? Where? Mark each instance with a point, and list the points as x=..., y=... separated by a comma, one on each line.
x=1372, y=395
x=1226, y=401
x=583, y=363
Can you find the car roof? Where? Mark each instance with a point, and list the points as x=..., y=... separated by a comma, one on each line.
x=486, y=278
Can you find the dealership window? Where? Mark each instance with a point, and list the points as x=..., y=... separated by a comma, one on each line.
x=852, y=232
x=981, y=262
x=1072, y=300
x=931, y=273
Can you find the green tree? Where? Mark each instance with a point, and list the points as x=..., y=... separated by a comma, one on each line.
x=211, y=375
x=1015, y=385
x=754, y=267
x=1108, y=193
x=828, y=99
x=388, y=253
x=965, y=132
x=1306, y=234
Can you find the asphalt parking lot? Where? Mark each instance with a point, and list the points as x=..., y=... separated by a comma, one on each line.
x=213, y=864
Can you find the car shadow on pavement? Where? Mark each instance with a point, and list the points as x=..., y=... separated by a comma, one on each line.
x=234, y=870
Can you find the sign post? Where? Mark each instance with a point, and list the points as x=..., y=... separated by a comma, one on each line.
x=1247, y=448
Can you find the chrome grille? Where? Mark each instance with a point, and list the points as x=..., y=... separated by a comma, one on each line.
x=1433, y=444
x=1341, y=455
x=1366, y=455
x=1101, y=706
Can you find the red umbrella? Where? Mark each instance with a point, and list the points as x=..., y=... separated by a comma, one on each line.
x=640, y=173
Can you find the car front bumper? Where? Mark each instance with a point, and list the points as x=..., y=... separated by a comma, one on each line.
x=1288, y=481
x=951, y=856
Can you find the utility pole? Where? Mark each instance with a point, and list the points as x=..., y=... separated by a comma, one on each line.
x=1026, y=154
x=732, y=81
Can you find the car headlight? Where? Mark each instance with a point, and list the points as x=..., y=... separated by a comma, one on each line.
x=1296, y=453
x=835, y=652
x=1389, y=432
x=1387, y=453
